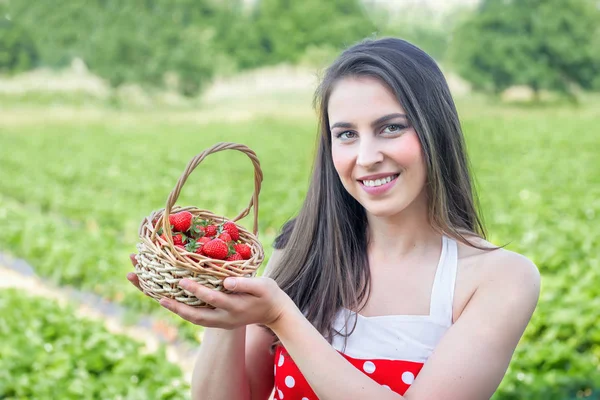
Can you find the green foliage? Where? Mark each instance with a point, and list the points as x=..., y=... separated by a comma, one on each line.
x=75, y=220
x=18, y=52
x=275, y=31
x=48, y=353
x=183, y=44
x=538, y=176
x=139, y=42
x=288, y=27
x=427, y=28
x=549, y=44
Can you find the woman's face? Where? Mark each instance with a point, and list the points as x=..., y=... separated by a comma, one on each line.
x=375, y=150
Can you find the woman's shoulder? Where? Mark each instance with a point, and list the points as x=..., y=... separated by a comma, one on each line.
x=489, y=269
x=494, y=262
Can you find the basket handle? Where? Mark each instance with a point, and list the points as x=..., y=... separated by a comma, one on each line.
x=194, y=162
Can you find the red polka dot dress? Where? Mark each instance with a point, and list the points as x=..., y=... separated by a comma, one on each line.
x=390, y=349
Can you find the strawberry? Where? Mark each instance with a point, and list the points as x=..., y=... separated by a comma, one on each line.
x=197, y=229
x=199, y=245
x=203, y=240
x=216, y=248
x=225, y=237
x=211, y=230
x=234, y=257
x=244, y=250
x=232, y=229
x=177, y=239
x=181, y=221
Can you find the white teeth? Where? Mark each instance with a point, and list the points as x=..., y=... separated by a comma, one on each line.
x=379, y=182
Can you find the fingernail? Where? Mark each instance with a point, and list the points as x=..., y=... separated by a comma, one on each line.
x=164, y=303
x=230, y=283
x=184, y=283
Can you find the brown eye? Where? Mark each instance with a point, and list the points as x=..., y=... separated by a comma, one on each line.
x=345, y=135
x=394, y=128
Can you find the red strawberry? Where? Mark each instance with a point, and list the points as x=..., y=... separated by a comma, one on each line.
x=216, y=248
x=234, y=257
x=244, y=250
x=211, y=230
x=181, y=221
x=177, y=239
x=203, y=240
x=225, y=237
x=199, y=245
x=197, y=230
x=232, y=229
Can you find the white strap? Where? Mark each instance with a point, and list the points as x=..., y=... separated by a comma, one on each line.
x=442, y=293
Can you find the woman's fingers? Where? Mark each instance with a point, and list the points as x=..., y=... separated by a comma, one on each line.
x=133, y=278
x=258, y=286
x=213, y=297
x=199, y=316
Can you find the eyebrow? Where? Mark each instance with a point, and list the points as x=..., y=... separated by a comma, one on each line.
x=375, y=123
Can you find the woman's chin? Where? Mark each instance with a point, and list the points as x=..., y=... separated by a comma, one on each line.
x=382, y=211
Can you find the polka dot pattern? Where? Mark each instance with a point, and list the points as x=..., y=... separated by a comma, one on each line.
x=369, y=367
x=395, y=375
x=408, y=377
x=290, y=381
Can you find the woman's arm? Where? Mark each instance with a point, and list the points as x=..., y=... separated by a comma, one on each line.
x=220, y=372
x=234, y=364
x=469, y=362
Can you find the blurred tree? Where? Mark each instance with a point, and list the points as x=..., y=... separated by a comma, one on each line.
x=18, y=52
x=287, y=28
x=139, y=41
x=544, y=44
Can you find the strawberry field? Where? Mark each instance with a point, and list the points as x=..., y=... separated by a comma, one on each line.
x=74, y=190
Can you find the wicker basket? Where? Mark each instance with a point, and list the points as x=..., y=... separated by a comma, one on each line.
x=161, y=265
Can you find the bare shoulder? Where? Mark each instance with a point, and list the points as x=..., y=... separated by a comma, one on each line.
x=502, y=272
x=500, y=264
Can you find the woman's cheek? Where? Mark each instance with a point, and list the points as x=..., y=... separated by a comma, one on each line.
x=341, y=160
x=409, y=152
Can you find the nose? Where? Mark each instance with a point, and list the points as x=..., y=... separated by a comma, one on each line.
x=369, y=154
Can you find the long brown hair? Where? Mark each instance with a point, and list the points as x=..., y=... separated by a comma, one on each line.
x=324, y=266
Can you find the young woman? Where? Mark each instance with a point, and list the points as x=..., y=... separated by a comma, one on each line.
x=383, y=286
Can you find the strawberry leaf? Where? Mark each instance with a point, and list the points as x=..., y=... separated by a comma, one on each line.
x=230, y=249
x=192, y=246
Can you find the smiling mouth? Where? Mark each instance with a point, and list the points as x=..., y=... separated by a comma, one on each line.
x=379, y=182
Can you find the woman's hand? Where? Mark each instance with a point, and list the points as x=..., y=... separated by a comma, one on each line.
x=257, y=300
x=132, y=277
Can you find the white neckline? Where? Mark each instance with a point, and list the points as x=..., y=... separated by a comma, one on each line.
x=435, y=288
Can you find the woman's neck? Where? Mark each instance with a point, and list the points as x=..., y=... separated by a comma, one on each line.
x=402, y=234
